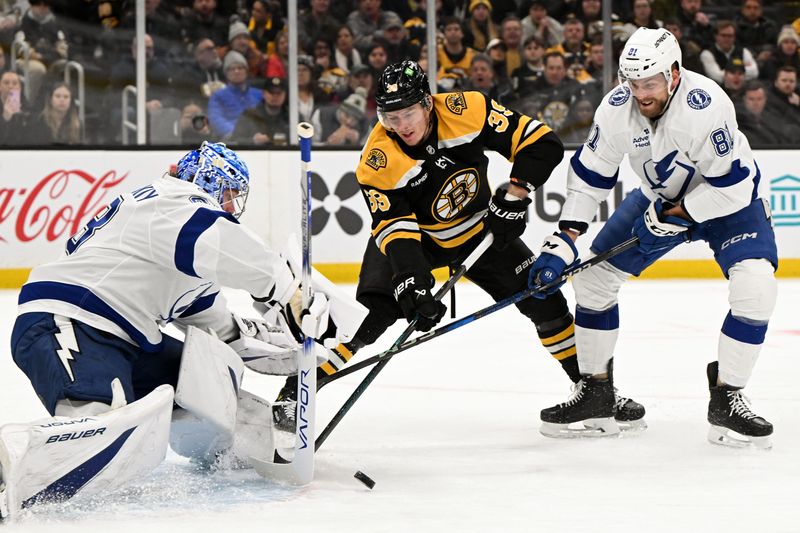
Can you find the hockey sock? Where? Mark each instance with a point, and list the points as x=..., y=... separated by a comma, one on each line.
x=558, y=336
x=341, y=355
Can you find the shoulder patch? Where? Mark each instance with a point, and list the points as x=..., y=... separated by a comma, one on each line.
x=620, y=96
x=376, y=159
x=698, y=99
x=456, y=103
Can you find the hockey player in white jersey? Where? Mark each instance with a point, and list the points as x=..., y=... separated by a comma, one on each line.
x=699, y=182
x=88, y=336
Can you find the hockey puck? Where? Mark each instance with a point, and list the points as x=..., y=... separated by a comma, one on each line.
x=365, y=479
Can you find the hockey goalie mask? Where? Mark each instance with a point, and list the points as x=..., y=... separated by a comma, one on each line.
x=647, y=53
x=220, y=172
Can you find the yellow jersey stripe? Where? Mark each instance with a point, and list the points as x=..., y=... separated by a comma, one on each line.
x=383, y=223
x=458, y=241
x=523, y=123
x=535, y=136
x=399, y=235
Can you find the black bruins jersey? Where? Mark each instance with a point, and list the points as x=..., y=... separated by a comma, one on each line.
x=439, y=188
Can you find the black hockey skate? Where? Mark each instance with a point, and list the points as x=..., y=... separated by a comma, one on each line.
x=592, y=403
x=732, y=422
x=628, y=413
x=284, y=410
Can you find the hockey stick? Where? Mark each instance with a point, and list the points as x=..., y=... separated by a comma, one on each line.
x=518, y=297
x=300, y=470
x=458, y=274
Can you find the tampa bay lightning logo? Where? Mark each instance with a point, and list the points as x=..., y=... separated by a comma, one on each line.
x=620, y=96
x=698, y=99
x=184, y=302
x=669, y=178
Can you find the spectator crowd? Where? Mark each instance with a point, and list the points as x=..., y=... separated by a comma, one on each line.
x=219, y=68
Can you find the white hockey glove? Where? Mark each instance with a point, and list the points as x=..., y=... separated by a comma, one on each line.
x=269, y=349
x=333, y=316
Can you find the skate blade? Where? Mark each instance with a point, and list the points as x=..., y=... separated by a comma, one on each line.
x=632, y=426
x=590, y=428
x=723, y=436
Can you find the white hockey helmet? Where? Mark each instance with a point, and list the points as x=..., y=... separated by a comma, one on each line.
x=648, y=52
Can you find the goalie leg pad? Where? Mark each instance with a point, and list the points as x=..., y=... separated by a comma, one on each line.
x=56, y=459
x=208, y=383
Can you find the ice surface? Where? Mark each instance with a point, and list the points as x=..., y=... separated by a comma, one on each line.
x=449, y=431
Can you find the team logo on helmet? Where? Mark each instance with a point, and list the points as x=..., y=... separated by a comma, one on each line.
x=457, y=192
x=456, y=102
x=391, y=88
x=620, y=96
x=698, y=99
x=376, y=159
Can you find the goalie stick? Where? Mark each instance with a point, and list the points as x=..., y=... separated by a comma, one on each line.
x=300, y=471
x=401, y=345
x=444, y=289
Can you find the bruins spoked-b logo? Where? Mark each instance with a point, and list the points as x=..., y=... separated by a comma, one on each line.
x=456, y=103
x=457, y=192
x=376, y=159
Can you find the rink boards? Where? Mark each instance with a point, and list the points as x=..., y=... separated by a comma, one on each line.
x=46, y=198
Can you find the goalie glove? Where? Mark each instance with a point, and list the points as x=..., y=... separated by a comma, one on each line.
x=269, y=349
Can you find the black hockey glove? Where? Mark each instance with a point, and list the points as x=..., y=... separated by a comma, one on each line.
x=506, y=219
x=413, y=293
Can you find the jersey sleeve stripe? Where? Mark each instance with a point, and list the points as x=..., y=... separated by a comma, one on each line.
x=591, y=177
x=523, y=125
x=458, y=141
x=461, y=239
x=449, y=230
x=85, y=299
x=399, y=235
x=404, y=226
x=185, y=244
x=384, y=223
x=537, y=134
x=737, y=174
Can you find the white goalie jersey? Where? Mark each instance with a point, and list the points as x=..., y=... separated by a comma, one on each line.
x=694, y=153
x=154, y=256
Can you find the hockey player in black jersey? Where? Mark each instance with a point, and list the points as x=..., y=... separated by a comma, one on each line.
x=423, y=173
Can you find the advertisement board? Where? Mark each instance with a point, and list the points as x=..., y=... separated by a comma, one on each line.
x=46, y=196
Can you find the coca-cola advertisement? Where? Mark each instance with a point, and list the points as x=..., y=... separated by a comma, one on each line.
x=45, y=197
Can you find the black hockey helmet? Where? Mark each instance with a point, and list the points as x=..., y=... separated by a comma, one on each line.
x=401, y=85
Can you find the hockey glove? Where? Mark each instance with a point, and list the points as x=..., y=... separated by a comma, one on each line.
x=558, y=252
x=657, y=232
x=269, y=349
x=506, y=219
x=413, y=294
